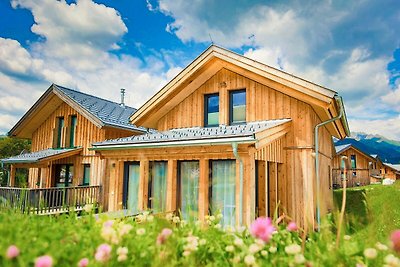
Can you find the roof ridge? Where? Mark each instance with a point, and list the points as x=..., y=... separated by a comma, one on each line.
x=80, y=92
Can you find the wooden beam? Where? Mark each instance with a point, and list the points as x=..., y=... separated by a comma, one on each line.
x=203, y=188
x=11, y=180
x=143, y=184
x=171, y=185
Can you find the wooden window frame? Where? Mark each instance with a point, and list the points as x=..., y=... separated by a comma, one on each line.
x=60, y=127
x=179, y=180
x=355, y=161
x=231, y=93
x=84, y=172
x=150, y=182
x=206, y=97
x=72, y=130
x=126, y=182
x=210, y=181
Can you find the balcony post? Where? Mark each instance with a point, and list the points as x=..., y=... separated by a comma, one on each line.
x=11, y=181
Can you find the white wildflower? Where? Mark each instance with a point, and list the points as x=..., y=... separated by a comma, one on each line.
x=370, y=253
x=140, y=231
x=299, y=259
x=202, y=242
x=346, y=237
x=381, y=246
x=392, y=260
x=264, y=253
x=176, y=219
x=238, y=242
x=293, y=249
x=88, y=208
x=272, y=249
x=249, y=260
x=229, y=248
x=169, y=216
x=254, y=248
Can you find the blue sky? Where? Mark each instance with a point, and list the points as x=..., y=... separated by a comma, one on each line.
x=352, y=47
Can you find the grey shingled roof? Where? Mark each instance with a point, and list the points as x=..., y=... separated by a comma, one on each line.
x=195, y=133
x=108, y=112
x=341, y=148
x=33, y=157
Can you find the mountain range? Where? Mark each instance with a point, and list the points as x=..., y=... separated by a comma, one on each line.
x=388, y=150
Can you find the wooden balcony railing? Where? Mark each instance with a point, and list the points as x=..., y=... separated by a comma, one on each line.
x=49, y=200
x=355, y=177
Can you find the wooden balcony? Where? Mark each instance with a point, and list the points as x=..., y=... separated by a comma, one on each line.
x=355, y=177
x=49, y=200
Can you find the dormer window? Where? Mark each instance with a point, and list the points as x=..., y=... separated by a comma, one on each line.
x=211, y=110
x=237, y=107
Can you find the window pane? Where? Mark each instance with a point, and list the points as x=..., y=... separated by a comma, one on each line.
x=223, y=190
x=72, y=131
x=133, y=187
x=158, y=186
x=59, y=131
x=189, y=189
x=353, y=161
x=212, y=110
x=86, y=174
x=238, y=106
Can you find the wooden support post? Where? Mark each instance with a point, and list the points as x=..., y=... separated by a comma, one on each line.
x=203, y=188
x=171, y=185
x=119, y=181
x=112, y=193
x=11, y=181
x=252, y=187
x=143, y=184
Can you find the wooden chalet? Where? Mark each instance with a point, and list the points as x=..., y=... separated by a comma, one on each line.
x=364, y=168
x=231, y=135
x=390, y=171
x=62, y=124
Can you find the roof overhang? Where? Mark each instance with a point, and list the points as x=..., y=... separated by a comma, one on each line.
x=31, y=158
x=51, y=99
x=358, y=150
x=216, y=58
x=259, y=139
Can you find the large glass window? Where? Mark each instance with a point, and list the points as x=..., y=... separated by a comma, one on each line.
x=64, y=175
x=211, y=108
x=353, y=161
x=157, y=186
x=60, y=126
x=222, y=189
x=237, y=106
x=86, y=174
x=131, y=186
x=73, y=121
x=188, y=189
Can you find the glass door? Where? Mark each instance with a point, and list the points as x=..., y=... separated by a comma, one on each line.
x=64, y=175
x=131, y=186
x=223, y=189
x=188, y=189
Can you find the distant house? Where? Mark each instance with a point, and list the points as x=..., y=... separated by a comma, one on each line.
x=232, y=135
x=361, y=166
x=62, y=125
x=391, y=171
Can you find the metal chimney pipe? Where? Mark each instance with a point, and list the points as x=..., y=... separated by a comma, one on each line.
x=122, y=97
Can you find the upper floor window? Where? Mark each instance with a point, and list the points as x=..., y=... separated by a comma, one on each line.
x=211, y=108
x=353, y=161
x=73, y=121
x=237, y=106
x=60, y=126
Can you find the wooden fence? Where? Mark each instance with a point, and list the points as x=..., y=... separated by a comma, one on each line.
x=49, y=200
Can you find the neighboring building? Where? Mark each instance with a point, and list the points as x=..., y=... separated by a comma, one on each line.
x=62, y=125
x=362, y=166
x=391, y=171
x=232, y=135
